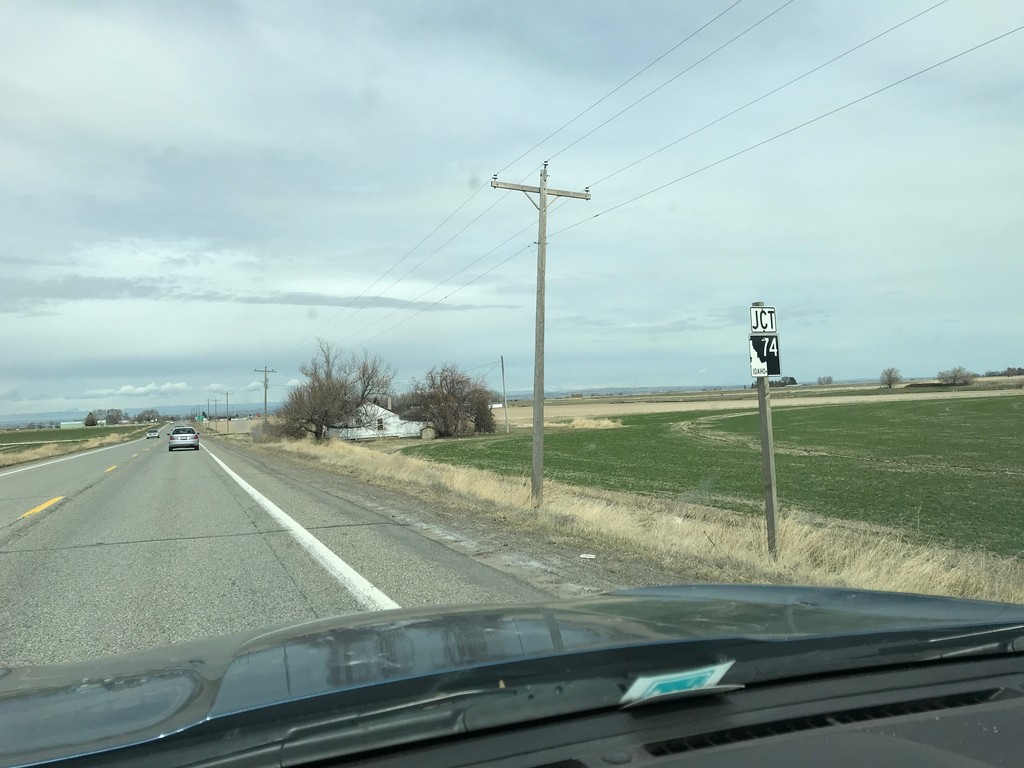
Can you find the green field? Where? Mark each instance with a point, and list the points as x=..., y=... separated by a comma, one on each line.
x=15, y=440
x=946, y=471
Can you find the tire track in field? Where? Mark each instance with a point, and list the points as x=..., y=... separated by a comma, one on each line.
x=701, y=429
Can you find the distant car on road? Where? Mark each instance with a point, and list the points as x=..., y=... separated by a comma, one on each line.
x=153, y=433
x=183, y=437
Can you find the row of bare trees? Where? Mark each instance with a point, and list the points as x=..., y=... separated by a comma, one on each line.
x=890, y=377
x=954, y=377
x=337, y=389
x=106, y=415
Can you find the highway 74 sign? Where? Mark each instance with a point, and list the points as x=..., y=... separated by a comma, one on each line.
x=764, y=355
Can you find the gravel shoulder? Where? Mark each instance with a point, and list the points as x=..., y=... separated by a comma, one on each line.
x=549, y=562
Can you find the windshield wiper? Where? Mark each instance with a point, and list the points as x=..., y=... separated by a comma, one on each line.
x=957, y=643
x=477, y=709
x=447, y=714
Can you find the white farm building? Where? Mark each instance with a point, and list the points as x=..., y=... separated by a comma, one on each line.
x=376, y=422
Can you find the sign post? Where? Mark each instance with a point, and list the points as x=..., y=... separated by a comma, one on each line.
x=765, y=362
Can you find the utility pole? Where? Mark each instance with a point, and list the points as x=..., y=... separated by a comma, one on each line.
x=227, y=410
x=542, y=192
x=266, y=386
x=504, y=397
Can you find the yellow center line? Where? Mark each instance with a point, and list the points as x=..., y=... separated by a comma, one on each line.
x=110, y=469
x=42, y=506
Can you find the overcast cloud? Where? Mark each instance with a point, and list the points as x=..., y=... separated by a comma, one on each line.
x=194, y=190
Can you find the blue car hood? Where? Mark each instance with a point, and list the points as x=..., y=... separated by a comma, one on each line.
x=48, y=712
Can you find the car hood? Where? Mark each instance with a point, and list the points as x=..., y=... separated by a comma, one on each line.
x=61, y=710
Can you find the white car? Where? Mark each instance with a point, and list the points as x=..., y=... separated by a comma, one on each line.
x=183, y=437
x=153, y=433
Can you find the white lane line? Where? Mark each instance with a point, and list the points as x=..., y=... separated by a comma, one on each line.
x=367, y=595
x=66, y=458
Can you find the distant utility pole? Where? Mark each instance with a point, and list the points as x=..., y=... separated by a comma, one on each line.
x=542, y=192
x=227, y=410
x=504, y=397
x=266, y=386
x=215, y=401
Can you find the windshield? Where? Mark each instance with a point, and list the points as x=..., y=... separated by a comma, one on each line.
x=438, y=305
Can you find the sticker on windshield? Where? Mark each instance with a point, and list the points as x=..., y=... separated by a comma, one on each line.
x=649, y=687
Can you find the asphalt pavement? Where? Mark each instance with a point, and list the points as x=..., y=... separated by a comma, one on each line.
x=130, y=547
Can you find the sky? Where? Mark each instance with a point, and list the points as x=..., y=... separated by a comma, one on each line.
x=193, y=190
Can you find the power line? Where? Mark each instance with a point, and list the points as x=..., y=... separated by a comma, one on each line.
x=620, y=86
x=334, y=324
x=435, y=287
x=475, y=261
x=492, y=364
x=387, y=271
x=670, y=80
x=769, y=93
x=538, y=144
x=788, y=131
x=452, y=293
x=554, y=207
x=489, y=366
x=490, y=370
x=427, y=258
x=733, y=112
x=331, y=320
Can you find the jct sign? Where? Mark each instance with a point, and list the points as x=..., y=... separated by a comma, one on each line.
x=762, y=320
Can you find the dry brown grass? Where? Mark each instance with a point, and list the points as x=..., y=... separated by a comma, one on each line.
x=699, y=543
x=50, y=450
x=585, y=423
x=521, y=415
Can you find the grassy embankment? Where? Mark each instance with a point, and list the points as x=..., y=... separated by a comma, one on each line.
x=22, y=445
x=947, y=472
x=917, y=496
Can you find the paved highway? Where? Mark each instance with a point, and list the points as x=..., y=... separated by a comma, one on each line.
x=132, y=546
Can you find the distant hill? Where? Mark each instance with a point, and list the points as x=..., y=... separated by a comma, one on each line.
x=11, y=420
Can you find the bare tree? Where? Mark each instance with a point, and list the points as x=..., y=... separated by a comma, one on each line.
x=452, y=401
x=890, y=377
x=149, y=414
x=334, y=392
x=371, y=375
x=957, y=377
x=824, y=380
